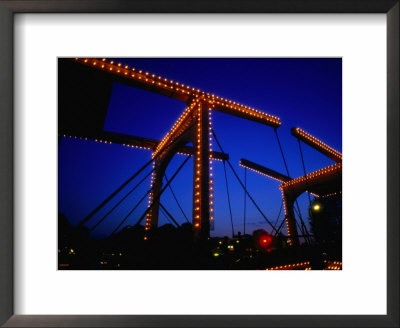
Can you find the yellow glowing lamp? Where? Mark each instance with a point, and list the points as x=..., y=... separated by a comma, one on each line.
x=316, y=207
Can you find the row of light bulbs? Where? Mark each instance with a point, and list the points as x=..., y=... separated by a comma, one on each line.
x=259, y=172
x=152, y=79
x=177, y=125
x=333, y=265
x=130, y=145
x=324, y=171
x=271, y=120
x=286, y=217
x=198, y=190
x=198, y=173
x=104, y=141
x=211, y=180
x=291, y=266
x=332, y=194
x=149, y=215
x=319, y=143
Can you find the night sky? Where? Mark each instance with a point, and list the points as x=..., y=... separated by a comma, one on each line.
x=305, y=93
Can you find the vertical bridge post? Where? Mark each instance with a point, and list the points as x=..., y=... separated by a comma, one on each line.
x=290, y=219
x=202, y=184
x=195, y=126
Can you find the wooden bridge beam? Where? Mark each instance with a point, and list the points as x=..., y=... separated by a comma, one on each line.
x=264, y=170
x=316, y=144
x=176, y=90
x=136, y=142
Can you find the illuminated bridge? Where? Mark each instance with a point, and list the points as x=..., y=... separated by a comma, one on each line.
x=84, y=90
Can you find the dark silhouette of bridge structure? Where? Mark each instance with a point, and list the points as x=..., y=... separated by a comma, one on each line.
x=84, y=90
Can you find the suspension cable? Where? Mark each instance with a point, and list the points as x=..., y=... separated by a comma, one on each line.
x=306, y=233
x=280, y=148
x=166, y=216
x=279, y=228
x=114, y=193
x=250, y=197
x=245, y=198
x=241, y=183
x=122, y=186
x=297, y=210
x=131, y=211
x=229, y=200
x=176, y=199
x=162, y=190
x=303, y=228
x=304, y=171
x=279, y=214
x=169, y=214
x=288, y=174
x=120, y=201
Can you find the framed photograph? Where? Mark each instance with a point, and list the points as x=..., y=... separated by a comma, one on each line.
x=166, y=164
x=110, y=103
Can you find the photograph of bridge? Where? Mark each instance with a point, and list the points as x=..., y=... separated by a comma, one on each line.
x=199, y=163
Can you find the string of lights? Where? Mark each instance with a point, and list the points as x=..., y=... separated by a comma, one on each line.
x=331, y=194
x=104, y=141
x=285, y=207
x=210, y=162
x=181, y=91
x=197, y=192
x=262, y=173
x=179, y=126
x=324, y=171
x=316, y=143
x=301, y=265
x=333, y=265
x=215, y=156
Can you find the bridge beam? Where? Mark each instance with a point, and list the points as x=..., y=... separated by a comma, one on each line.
x=135, y=142
x=316, y=144
x=321, y=182
x=263, y=170
x=176, y=90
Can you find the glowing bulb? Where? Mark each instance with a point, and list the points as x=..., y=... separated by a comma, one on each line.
x=316, y=207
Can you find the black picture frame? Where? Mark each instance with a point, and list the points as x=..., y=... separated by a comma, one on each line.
x=10, y=7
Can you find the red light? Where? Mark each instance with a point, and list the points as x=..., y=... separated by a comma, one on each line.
x=265, y=240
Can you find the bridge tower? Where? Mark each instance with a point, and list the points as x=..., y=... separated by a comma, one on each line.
x=194, y=126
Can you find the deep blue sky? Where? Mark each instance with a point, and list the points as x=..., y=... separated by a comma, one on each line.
x=305, y=93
